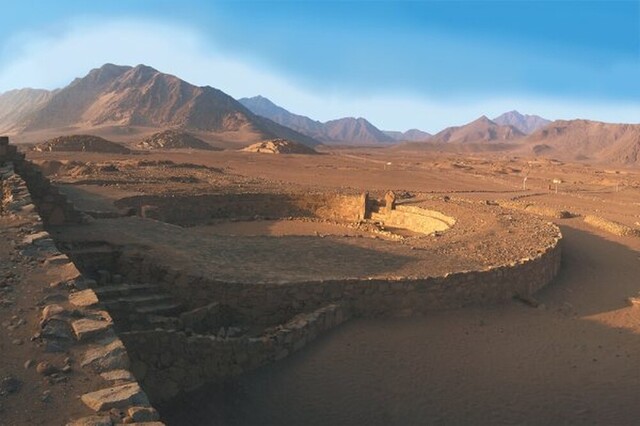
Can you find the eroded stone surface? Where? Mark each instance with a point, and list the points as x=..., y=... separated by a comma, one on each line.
x=118, y=375
x=83, y=298
x=143, y=414
x=116, y=397
x=87, y=328
x=92, y=421
x=107, y=356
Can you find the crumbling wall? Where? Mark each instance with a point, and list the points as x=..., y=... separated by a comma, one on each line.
x=71, y=321
x=169, y=362
x=53, y=207
x=415, y=219
x=271, y=303
x=611, y=226
x=202, y=209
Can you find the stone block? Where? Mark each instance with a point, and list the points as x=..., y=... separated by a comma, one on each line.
x=88, y=328
x=107, y=356
x=83, y=298
x=120, y=375
x=122, y=397
x=143, y=414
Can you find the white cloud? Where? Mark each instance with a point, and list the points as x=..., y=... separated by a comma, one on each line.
x=50, y=61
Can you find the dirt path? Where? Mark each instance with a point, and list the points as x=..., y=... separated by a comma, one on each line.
x=573, y=361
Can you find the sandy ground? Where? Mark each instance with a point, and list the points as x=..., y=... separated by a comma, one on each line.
x=24, y=281
x=571, y=361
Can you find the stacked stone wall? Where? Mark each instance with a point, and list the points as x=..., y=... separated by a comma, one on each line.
x=169, y=362
x=202, y=209
x=72, y=320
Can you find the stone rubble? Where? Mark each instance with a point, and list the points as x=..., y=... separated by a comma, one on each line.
x=64, y=320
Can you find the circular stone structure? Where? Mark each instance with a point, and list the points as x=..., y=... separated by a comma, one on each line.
x=426, y=253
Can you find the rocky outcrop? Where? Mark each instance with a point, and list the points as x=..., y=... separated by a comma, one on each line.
x=82, y=143
x=279, y=146
x=173, y=139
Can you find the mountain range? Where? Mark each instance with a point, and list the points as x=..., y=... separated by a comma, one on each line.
x=133, y=102
x=140, y=99
x=480, y=130
x=587, y=140
x=348, y=130
x=526, y=123
x=411, y=135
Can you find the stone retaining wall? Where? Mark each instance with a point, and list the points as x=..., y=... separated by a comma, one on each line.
x=168, y=362
x=202, y=209
x=611, y=226
x=272, y=303
x=53, y=207
x=415, y=219
x=70, y=318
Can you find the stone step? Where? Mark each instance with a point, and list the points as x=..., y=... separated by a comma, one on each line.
x=141, y=301
x=114, y=291
x=163, y=309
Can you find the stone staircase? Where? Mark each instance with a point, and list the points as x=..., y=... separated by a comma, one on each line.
x=136, y=307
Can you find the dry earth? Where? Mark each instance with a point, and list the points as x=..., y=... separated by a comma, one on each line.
x=572, y=360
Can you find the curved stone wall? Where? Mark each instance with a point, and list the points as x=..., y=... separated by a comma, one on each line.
x=192, y=210
x=271, y=303
x=414, y=219
x=168, y=362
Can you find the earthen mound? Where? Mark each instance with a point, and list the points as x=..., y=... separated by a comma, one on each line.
x=279, y=146
x=172, y=139
x=82, y=143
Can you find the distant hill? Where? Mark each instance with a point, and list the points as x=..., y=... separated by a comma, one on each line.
x=526, y=123
x=16, y=105
x=264, y=107
x=412, y=135
x=587, y=140
x=279, y=146
x=124, y=96
x=172, y=139
x=480, y=130
x=355, y=131
x=82, y=143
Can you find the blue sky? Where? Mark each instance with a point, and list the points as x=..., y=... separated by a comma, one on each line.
x=401, y=64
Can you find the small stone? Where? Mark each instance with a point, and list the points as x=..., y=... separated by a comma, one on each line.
x=28, y=364
x=9, y=384
x=143, y=414
x=52, y=311
x=58, y=260
x=17, y=342
x=46, y=396
x=46, y=369
x=66, y=369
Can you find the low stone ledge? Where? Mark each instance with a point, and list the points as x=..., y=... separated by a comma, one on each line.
x=64, y=314
x=537, y=209
x=611, y=226
x=123, y=397
x=168, y=362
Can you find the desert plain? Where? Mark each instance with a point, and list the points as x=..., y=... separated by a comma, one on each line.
x=566, y=354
